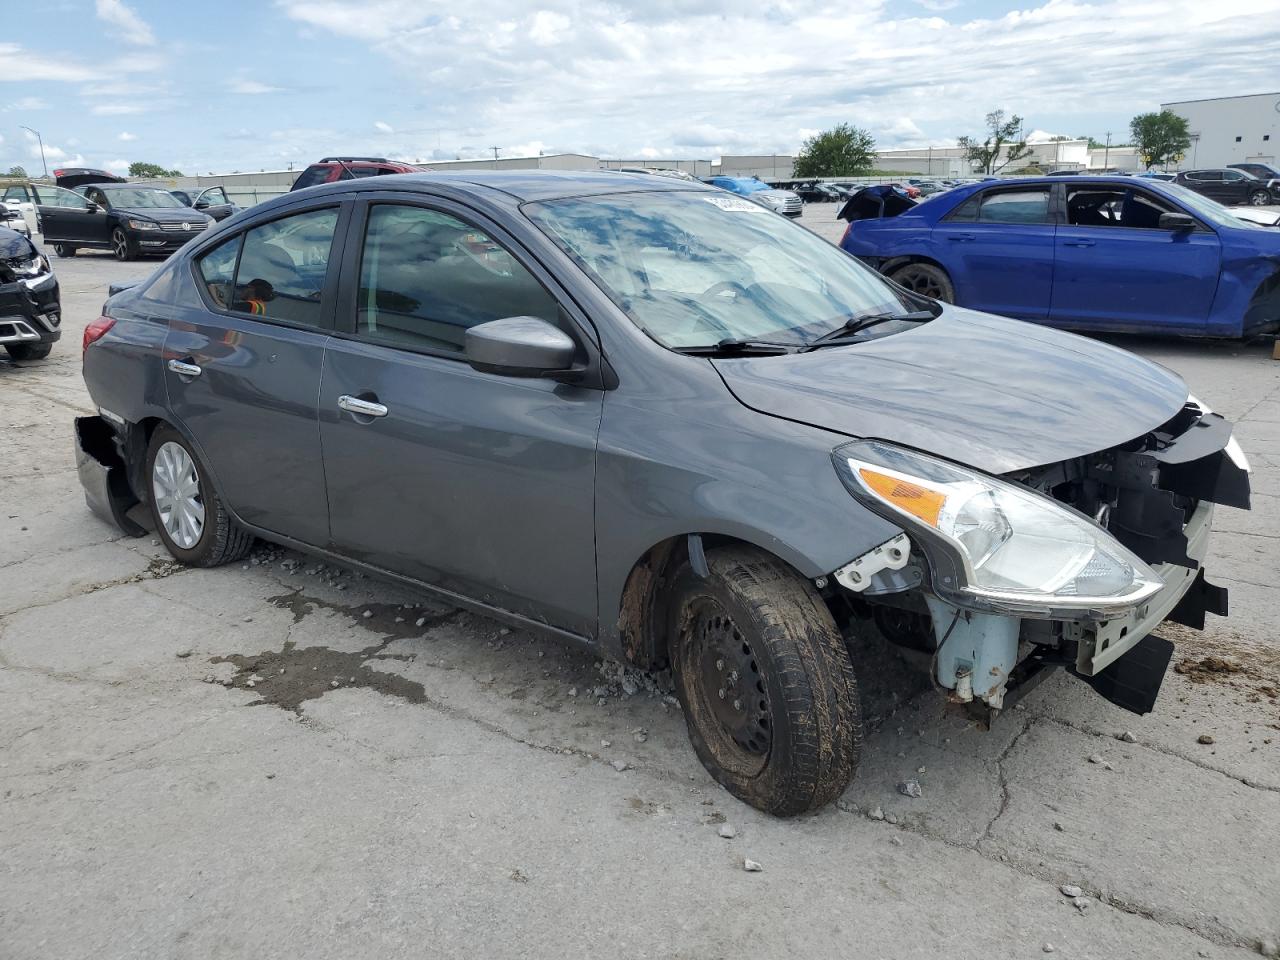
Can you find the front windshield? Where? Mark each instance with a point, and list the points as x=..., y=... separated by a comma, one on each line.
x=140, y=197
x=1210, y=210
x=694, y=269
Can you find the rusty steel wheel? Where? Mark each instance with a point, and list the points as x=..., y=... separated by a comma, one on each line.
x=766, y=683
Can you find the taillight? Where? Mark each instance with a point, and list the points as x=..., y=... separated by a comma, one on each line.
x=96, y=331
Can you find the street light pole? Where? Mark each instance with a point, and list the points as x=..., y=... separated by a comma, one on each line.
x=1106, y=154
x=40, y=140
x=495, y=157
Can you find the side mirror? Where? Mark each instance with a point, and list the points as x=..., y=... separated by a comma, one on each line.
x=1178, y=222
x=92, y=207
x=519, y=347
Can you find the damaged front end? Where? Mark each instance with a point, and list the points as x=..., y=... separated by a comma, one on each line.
x=1071, y=564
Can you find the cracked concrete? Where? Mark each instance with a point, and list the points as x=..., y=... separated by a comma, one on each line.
x=147, y=810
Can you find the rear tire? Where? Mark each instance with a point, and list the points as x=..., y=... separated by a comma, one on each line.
x=122, y=245
x=188, y=514
x=768, y=690
x=64, y=249
x=1259, y=198
x=28, y=351
x=926, y=280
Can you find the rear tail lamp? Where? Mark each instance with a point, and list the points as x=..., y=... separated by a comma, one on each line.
x=96, y=331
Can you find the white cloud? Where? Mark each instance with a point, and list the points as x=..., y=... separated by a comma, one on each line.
x=116, y=109
x=383, y=127
x=128, y=26
x=26, y=103
x=251, y=87
x=127, y=136
x=27, y=66
x=120, y=165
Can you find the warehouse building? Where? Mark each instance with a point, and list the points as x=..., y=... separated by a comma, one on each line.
x=1230, y=129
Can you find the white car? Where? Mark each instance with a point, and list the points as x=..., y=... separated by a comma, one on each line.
x=13, y=218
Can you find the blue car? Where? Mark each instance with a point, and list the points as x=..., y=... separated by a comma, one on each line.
x=1093, y=253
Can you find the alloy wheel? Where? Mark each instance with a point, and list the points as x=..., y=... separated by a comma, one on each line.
x=175, y=484
x=1259, y=198
x=918, y=281
x=120, y=245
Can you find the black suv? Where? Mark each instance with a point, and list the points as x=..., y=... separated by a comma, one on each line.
x=124, y=218
x=1227, y=186
x=30, y=315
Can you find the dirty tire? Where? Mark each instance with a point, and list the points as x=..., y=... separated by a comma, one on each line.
x=64, y=249
x=794, y=667
x=28, y=351
x=221, y=539
x=925, y=279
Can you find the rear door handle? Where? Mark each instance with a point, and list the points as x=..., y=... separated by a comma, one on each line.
x=1078, y=242
x=184, y=369
x=362, y=408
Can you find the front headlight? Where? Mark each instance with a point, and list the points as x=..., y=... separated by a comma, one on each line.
x=30, y=268
x=144, y=225
x=996, y=545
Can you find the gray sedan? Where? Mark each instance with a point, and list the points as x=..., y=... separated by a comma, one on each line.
x=647, y=417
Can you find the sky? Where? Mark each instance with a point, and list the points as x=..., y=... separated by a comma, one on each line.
x=248, y=85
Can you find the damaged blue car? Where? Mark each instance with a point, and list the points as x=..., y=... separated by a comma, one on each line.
x=1083, y=253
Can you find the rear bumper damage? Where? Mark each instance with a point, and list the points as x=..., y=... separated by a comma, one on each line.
x=104, y=474
x=1156, y=495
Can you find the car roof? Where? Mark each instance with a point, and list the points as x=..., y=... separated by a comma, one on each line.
x=521, y=185
x=125, y=186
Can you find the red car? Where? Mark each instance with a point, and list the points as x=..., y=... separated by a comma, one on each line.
x=908, y=189
x=331, y=169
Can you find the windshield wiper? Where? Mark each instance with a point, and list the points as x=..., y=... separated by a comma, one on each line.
x=855, y=325
x=737, y=348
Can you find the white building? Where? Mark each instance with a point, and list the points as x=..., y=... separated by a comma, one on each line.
x=1230, y=129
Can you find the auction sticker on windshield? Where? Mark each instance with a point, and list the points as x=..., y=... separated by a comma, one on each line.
x=735, y=205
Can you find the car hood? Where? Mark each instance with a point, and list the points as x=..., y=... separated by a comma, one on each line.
x=995, y=394
x=164, y=214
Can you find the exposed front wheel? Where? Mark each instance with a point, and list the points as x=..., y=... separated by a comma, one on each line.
x=766, y=683
x=926, y=280
x=64, y=249
x=122, y=245
x=189, y=517
x=1259, y=198
x=28, y=351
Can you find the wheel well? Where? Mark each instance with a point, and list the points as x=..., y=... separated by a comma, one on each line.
x=894, y=263
x=643, y=610
x=134, y=450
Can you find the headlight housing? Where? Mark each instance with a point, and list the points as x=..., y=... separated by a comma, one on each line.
x=143, y=225
x=995, y=545
x=30, y=268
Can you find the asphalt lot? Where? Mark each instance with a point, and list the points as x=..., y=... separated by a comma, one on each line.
x=403, y=779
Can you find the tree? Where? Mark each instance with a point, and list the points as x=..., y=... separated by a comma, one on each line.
x=1000, y=137
x=842, y=151
x=18, y=171
x=140, y=169
x=1160, y=137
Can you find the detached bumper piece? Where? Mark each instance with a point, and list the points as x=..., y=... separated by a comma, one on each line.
x=103, y=474
x=1133, y=682
x=30, y=311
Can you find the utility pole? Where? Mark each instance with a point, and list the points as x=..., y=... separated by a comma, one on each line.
x=40, y=140
x=495, y=157
x=1106, y=153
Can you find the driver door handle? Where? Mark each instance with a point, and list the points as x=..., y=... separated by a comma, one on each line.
x=962, y=237
x=1078, y=242
x=362, y=408
x=184, y=369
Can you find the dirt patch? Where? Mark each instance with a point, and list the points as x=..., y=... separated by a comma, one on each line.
x=289, y=677
x=1227, y=660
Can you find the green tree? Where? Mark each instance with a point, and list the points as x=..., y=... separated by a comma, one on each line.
x=842, y=151
x=140, y=169
x=18, y=171
x=1161, y=137
x=1000, y=148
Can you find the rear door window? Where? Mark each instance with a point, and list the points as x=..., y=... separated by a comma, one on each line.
x=283, y=266
x=1015, y=206
x=426, y=276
